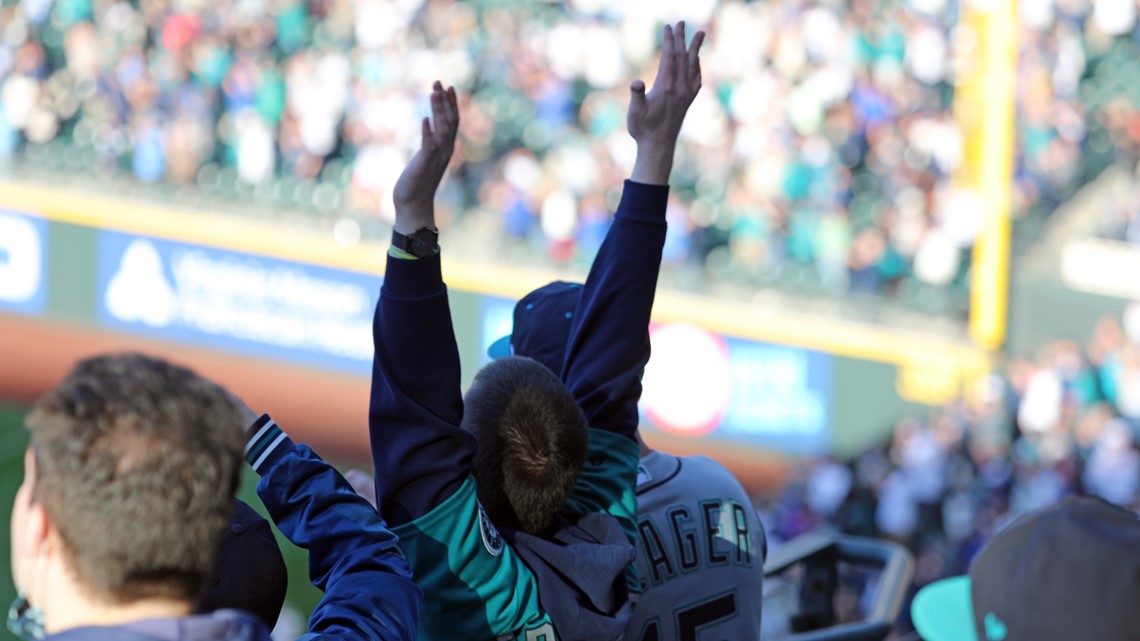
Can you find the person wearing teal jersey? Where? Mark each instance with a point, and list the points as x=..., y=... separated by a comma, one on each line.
x=516, y=505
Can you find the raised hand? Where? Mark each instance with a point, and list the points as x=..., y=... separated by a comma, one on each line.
x=414, y=195
x=656, y=117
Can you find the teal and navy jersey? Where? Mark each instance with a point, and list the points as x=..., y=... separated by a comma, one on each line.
x=480, y=583
x=477, y=586
x=700, y=552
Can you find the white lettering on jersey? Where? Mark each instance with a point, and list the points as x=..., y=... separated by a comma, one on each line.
x=643, y=475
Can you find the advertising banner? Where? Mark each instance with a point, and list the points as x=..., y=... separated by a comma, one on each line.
x=23, y=263
x=261, y=306
x=747, y=375
x=702, y=384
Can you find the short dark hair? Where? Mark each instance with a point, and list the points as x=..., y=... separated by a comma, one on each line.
x=137, y=462
x=532, y=442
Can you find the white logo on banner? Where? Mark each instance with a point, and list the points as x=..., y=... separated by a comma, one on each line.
x=139, y=292
x=688, y=380
x=21, y=259
x=241, y=297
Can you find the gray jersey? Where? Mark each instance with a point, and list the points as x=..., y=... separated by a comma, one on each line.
x=700, y=553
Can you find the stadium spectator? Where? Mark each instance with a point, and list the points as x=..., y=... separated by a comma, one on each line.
x=128, y=486
x=1120, y=213
x=1056, y=425
x=838, y=182
x=672, y=493
x=128, y=489
x=666, y=496
x=1069, y=571
x=526, y=506
x=679, y=568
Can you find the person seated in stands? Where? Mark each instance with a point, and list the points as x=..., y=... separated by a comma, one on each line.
x=1068, y=571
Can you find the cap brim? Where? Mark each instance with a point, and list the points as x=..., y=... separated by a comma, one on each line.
x=500, y=348
x=944, y=611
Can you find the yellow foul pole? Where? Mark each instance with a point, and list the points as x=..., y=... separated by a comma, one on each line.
x=984, y=110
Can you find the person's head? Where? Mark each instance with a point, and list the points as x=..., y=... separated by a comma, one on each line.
x=541, y=330
x=129, y=479
x=1069, y=571
x=531, y=438
x=250, y=572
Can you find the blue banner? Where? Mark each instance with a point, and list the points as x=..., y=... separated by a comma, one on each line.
x=237, y=302
x=23, y=263
x=781, y=396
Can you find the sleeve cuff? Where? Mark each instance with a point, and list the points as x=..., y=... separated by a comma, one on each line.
x=412, y=278
x=396, y=252
x=265, y=443
x=643, y=203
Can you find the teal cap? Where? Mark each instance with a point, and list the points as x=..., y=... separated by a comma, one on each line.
x=944, y=611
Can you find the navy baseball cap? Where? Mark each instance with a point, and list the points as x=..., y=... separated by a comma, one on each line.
x=1069, y=571
x=250, y=573
x=542, y=325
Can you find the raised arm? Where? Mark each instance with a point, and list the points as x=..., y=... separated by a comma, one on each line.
x=420, y=454
x=354, y=559
x=479, y=588
x=609, y=340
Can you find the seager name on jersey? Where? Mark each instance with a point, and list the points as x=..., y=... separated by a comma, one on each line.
x=716, y=534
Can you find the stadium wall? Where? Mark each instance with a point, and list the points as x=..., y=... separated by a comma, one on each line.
x=283, y=317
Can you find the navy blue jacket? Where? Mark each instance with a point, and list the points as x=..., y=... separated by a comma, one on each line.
x=353, y=557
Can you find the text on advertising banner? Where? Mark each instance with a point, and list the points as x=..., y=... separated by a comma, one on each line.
x=237, y=302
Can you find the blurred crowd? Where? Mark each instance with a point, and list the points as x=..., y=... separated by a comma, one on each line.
x=818, y=157
x=1064, y=422
x=1119, y=212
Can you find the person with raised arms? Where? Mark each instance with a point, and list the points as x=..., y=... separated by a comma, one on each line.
x=515, y=504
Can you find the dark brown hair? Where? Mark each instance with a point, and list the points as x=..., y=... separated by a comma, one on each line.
x=532, y=442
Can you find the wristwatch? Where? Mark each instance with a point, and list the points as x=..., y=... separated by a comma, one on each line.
x=421, y=243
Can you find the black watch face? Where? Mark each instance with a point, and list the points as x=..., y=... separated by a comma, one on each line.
x=426, y=237
x=423, y=242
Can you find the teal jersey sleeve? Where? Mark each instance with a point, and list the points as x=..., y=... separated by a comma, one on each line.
x=475, y=586
x=607, y=484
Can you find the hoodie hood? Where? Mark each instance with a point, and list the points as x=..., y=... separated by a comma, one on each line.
x=580, y=567
x=220, y=625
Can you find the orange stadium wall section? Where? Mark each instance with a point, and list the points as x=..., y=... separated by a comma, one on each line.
x=284, y=318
